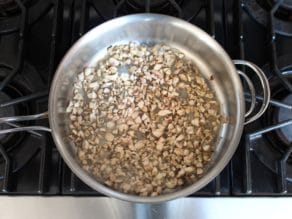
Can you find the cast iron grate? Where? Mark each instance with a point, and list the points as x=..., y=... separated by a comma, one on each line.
x=255, y=145
x=61, y=23
x=18, y=27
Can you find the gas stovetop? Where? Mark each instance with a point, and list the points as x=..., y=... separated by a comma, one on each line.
x=35, y=35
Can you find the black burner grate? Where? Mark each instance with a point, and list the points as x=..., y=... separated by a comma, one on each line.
x=34, y=144
x=256, y=145
x=41, y=33
x=280, y=10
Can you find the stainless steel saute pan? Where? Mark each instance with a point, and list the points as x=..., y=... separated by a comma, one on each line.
x=210, y=58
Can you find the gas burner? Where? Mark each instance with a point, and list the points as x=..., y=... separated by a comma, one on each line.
x=21, y=147
x=282, y=137
x=10, y=13
x=260, y=10
x=277, y=142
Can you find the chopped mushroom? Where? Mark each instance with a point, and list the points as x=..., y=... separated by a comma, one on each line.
x=144, y=121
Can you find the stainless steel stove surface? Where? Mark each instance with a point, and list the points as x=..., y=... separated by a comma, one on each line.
x=35, y=35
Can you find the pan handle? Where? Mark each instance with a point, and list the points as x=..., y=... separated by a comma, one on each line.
x=43, y=115
x=265, y=103
x=265, y=86
x=30, y=129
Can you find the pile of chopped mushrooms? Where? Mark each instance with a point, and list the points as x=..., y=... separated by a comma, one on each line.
x=144, y=121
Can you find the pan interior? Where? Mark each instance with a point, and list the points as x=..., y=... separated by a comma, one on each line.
x=204, y=70
x=151, y=29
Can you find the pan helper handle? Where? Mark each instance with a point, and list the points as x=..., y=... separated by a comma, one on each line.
x=265, y=86
x=12, y=119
